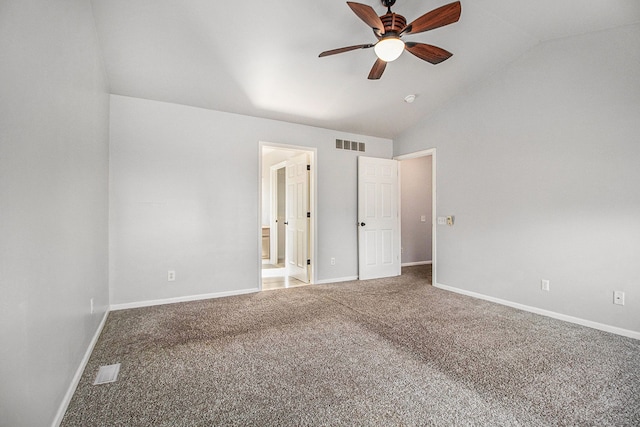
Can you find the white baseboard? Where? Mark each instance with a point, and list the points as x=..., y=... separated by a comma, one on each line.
x=76, y=378
x=552, y=314
x=411, y=264
x=336, y=280
x=138, y=304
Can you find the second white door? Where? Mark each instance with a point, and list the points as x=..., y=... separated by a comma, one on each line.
x=297, y=220
x=378, y=219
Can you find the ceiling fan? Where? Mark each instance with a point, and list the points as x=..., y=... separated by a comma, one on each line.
x=389, y=29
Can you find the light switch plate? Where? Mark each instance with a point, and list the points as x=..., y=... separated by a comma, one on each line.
x=544, y=285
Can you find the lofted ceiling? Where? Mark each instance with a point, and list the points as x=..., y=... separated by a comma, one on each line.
x=260, y=58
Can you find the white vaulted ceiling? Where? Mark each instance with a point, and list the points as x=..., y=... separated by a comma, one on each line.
x=260, y=58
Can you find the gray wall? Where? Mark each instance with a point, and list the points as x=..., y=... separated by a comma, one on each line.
x=540, y=166
x=416, y=200
x=184, y=196
x=53, y=202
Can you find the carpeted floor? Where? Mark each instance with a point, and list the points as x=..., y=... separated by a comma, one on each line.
x=372, y=353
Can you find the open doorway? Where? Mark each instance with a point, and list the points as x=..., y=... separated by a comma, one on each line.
x=418, y=210
x=288, y=224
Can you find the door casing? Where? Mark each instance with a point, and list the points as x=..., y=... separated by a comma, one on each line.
x=313, y=203
x=275, y=233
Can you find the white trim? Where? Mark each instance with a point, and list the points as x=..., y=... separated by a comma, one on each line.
x=423, y=153
x=552, y=314
x=434, y=190
x=62, y=409
x=149, y=303
x=336, y=280
x=410, y=264
x=399, y=202
x=273, y=190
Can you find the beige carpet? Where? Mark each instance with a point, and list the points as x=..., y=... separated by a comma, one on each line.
x=380, y=352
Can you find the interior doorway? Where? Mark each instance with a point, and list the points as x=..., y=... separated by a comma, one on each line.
x=418, y=210
x=288, y=223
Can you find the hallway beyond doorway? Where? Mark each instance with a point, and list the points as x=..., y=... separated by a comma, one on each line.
x=288, y=220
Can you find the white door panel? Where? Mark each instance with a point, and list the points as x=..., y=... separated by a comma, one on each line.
x=297, y=223
x=378, y=220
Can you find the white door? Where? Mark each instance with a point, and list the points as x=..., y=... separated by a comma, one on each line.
x=297, y=222
x=378, y=220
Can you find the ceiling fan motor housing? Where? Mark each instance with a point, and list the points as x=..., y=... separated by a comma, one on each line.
x=393, y=22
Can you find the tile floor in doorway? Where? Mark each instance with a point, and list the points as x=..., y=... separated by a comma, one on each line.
x=273, y=277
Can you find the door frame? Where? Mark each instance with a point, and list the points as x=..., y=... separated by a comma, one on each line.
x=313, y=205
x=273, y=235
x=434, y=218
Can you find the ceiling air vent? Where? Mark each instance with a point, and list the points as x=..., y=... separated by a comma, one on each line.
x=343, y=144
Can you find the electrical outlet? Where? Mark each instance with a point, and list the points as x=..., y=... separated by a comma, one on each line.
x=618, y=297
x=333, y=261
x=171, y=276
x=423, y=218
x=91, y=305
x=544, y=285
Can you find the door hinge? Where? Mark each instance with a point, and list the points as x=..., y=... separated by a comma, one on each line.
x=308, y=214
x=308, y=167
x=308, y=262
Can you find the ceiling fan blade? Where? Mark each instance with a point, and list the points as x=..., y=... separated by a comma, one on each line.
x=377, y=69
x=344, y=49
x=444, y=15
x=427, y=52
x=368, y=15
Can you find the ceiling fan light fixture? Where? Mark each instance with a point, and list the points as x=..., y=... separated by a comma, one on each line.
x=390, y=27
x=389, y=48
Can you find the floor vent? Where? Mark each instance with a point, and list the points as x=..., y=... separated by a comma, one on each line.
x=107, y=374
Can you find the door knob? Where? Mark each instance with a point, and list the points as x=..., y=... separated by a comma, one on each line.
x=362, y=224
x=286, y=223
